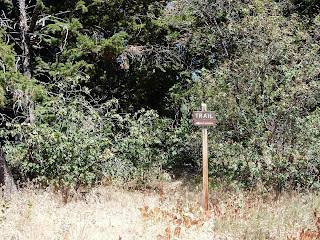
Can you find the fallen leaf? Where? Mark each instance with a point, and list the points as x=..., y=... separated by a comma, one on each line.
x=168, y=233
x=177, y=231
x=194, y=222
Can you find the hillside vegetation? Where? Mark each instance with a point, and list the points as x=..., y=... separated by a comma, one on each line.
x=99, y=92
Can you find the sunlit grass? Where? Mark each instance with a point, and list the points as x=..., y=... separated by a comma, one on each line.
x=164, y=211
x=250, y=216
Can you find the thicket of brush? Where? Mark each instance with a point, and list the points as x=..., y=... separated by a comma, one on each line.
x=94, y=91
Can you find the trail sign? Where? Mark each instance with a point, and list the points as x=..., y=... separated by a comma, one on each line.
x=204, y=118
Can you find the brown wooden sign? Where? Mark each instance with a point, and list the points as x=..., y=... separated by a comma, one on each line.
x=204, y=118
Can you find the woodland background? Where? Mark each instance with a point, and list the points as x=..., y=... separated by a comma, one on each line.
x=101, y=91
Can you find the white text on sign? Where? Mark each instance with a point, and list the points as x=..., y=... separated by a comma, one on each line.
x=204, y=118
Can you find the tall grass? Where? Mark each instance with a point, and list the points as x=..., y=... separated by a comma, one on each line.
x=162, y=211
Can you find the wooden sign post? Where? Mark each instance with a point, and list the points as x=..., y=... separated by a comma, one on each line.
x=204, y=118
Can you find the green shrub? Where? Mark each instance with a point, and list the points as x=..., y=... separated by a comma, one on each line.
x=72, y=145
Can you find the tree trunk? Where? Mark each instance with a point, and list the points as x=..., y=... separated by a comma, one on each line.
x=26, y=54
x=25, y=40
x=6, y=179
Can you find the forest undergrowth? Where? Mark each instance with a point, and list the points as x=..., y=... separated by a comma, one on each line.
x=161, y=210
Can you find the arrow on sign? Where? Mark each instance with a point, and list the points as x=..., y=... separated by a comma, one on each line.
x=204, y=118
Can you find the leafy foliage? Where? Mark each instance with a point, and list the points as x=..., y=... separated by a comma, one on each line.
x=256, y=63
x=80, y=147
x=271, y=86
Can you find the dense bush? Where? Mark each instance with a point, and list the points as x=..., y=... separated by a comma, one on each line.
x=265, y=93
x=256, y=63
x=73, y=145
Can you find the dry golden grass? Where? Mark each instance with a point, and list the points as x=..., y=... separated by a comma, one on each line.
x=166, y=211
